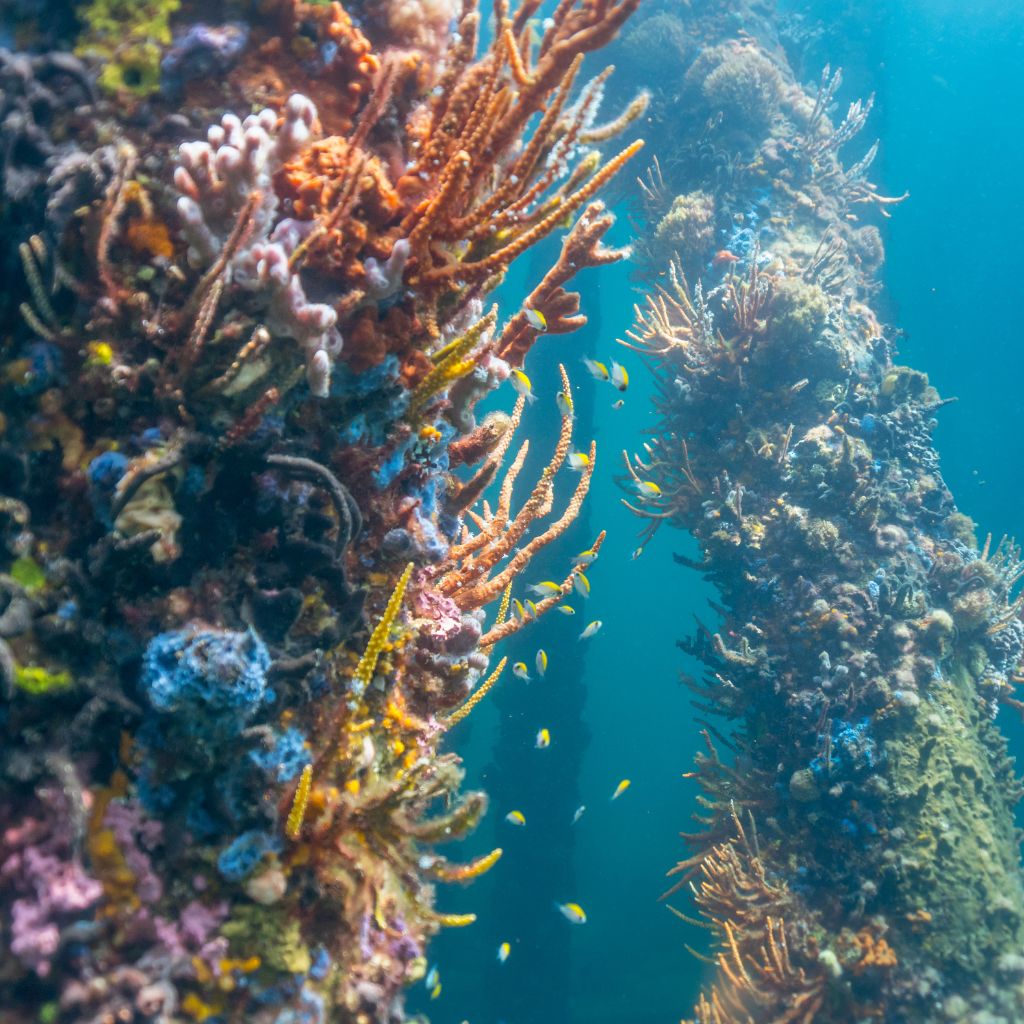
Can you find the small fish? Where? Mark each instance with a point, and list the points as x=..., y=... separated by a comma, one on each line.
x=545, y=588
x=517, y=609
x=637, y=553
x=724, y=257
x=581, y=585
x=503, y=951
x=542, y=662
x=647, y=489
x=579, y=813
x=620, y=378
x=522, y=384
x=520, y=671
x=531, y=609
x=591, y=630
x=799, y=385
x=584, y=558
x=543, y=739
x=435, y=991
x=565, y=609
x=596, y=370
x=572, y=912
x=432, y=977
x=536, y=319
x=578, y=461
x=619, y=404
x=565, y=406
x=515, y=818
x=620, y=789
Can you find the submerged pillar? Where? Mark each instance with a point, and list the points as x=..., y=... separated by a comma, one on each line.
x=857, y=858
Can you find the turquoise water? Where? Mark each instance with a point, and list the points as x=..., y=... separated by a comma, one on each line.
x=947, y=96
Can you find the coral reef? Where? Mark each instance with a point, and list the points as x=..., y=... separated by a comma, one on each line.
x=251, y=571
x=856, y=857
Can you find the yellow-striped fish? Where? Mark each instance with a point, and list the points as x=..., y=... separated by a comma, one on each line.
x=596, y=370
x=515, y=818
x=517, y=608
x=542, y=662
x=619, y=404
x=581, y=585
x=591, y=629
x=572, y=912
x=522, y=384
x=565, y=609
x=503, y=951
x=578, y=461
x=543, y=739
x=520, y=671
x=619, y=377
x=620, y=789
x=432, y=977
x=536, y=319
x=545, y=588
x=647, y=489
x=565, y=406
x=584, y=558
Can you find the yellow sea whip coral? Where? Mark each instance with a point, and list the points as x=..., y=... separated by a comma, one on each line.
x=478, y=694
x=445, y=872
x=363, y=673
x=451, y=363
x=299, y=803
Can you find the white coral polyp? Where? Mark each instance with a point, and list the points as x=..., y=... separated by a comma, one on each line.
x=216, y=179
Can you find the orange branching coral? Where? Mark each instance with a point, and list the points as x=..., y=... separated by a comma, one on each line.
x=757, y=978
x=763, y=987
x=506, y=627
x=465, y=575
x=582, y=247
x=873, y=951
x=473, y=184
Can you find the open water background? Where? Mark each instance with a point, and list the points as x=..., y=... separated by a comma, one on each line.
x=949, y=114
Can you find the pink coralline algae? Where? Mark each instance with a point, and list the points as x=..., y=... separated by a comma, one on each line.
x=135, y=836
x=192, y=932
x=36, y=864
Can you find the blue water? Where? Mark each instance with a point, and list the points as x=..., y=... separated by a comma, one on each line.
x=948, y=96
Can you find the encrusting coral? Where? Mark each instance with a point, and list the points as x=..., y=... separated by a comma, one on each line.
x=248, y=550
x=856, y=857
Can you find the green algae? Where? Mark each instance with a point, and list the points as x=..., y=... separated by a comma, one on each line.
x=36, y=680
x=272, y=936
x=27, y=572
x=127, y=38
x=952, y=791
